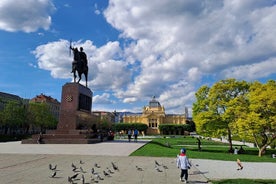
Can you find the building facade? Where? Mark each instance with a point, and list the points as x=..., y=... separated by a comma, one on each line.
x=153, y=115
x=54, y=104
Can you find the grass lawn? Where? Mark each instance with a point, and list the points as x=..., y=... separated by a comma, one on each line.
x=170, y=147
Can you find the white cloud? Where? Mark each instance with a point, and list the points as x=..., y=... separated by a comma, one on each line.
x=170, y=48
x=184, y=41
x=252, y=71
x=27, y=16
x=106, y=70
x=102, y=99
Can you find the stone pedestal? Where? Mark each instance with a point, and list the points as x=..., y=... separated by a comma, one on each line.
x=74, y=118
x=74, y=98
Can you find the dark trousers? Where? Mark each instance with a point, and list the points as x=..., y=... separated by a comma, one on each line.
x=184, y=172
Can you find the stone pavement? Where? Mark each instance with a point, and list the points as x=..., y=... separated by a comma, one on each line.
x=29, y=163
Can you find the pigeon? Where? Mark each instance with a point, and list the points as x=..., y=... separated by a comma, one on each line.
x=156, y=163
x=115, y=167
x=73, y=165
x=75, y=169
x=239, y=164
x=96, y=165
x=92, y=170
x=81, y=169
x=75, y=176
x=99, y=177
x=54, y=174
x=81, y=162
x=70, y=179
x=158, y=170
x=105, y=173
x=54, y=168
x=138, y=168
x=165, y=167
x=111, y=172
x=82, y=179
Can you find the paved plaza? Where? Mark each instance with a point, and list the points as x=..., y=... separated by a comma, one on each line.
x=29, y=163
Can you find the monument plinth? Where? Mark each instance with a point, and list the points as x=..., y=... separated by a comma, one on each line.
x=74, y=98
x=75, y=118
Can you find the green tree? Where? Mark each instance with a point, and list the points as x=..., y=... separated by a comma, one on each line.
x=257, y=120
x=213, y=112
x=39, y=115
x=13, y=116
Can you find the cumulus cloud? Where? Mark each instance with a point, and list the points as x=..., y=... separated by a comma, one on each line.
x=182, y=42
x=168, y=49
x=106, y=70
x=27, y=16
x=102, y=99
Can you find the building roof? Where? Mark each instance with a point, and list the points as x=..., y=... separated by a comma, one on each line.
x=154, y=103
x=44, y=98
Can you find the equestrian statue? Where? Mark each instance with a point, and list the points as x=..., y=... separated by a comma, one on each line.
x=79, y=64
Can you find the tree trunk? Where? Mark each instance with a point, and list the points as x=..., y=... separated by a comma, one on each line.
x=230, y=141
x=262, y=150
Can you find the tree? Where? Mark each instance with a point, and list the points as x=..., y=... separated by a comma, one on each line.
x=257, y=121
x=40, y=116
x=13, y=116
x=213, y=112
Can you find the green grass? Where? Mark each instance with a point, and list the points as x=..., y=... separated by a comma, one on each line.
x=158, y=147
x=244, y=181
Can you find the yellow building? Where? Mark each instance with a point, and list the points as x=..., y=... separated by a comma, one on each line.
x=153, y=115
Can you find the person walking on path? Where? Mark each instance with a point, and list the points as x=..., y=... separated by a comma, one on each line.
x=129, y=135
x=135, y=133
x=184, y=164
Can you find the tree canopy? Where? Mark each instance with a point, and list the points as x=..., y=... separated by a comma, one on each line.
x=237, y=107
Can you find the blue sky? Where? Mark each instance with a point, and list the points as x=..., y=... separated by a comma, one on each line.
x=136, y=48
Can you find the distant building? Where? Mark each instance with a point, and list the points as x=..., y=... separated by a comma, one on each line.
x=6, y=97
x=54, y=104
x=153, y=115
x=105, y=116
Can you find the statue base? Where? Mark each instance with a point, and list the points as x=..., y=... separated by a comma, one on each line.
x=76, y=125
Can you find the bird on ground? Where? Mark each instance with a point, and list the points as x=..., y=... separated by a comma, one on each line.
x=82, y=179
x=81, y=162
x=138, y=168
x=70, y=179
x=99, y=177
x=165, y=167
x=158, y=170
x=239, y=164
x=81, y=169
x=108, y=170
x=156, y=163
x=115, y=167
x=52, y=168
x=74, y=176
x=73, y=165
x=105, y=173
x=54, y=174
x=92, y=170
x=96, y=165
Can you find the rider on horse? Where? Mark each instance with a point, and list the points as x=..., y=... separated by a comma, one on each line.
x=80, y=63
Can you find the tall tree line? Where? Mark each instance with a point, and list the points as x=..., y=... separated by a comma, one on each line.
x=18, y=118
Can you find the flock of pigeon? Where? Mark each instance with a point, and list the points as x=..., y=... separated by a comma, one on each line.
x=78, y=173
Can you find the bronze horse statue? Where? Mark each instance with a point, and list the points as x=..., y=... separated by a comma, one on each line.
x=79, y=64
